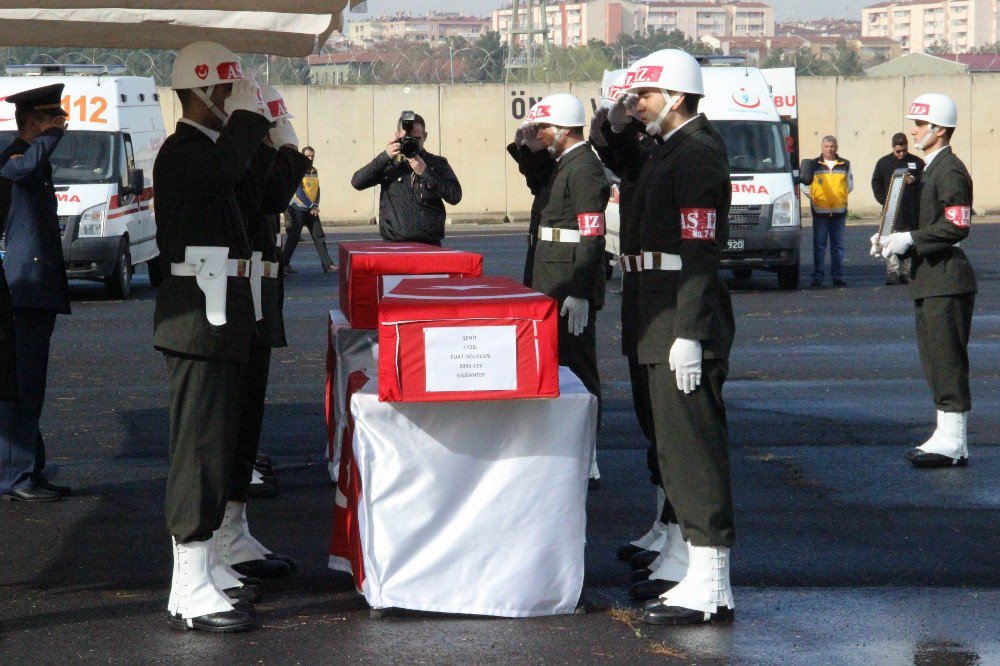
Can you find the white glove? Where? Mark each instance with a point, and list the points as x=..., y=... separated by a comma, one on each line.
x=283, y=134
x=875, y=251
x=898, y=243
x=246, y=96
x=519, y=137
x=685, y=361
x=531, y=139
x=618, y=114
x=596, y=136
x=577, y=309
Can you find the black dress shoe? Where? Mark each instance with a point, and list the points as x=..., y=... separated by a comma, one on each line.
x=292, y=564
x=639, y=575
x=650, y=589
x=248, y=593
x=923, y=459
x=247, y=580
x=626, y=552
x=677, y=616
x=839, y=283
x=643, y=559
x=45, y=484
x=594, y=484
x=892, y=279
x=264, y=468
x=815, y=284
x=267, y=568
x=35, y=494
x=265, y=459
x=259, y=490
x=217, y=623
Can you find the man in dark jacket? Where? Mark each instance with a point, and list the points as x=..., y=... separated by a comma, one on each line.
x=8, y=371
x=38, y=288
x=414, y=189
x=898, y=270
x=536, y=165
x=942, y=282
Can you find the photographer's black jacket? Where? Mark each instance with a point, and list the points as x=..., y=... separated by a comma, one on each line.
x=908, y=209
x=411, y=207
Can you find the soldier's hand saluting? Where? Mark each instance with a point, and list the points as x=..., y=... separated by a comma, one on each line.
x=685, y=361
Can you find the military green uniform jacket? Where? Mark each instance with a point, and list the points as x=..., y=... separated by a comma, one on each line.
x=939, y=268
x=577, y=196
x=263, y=193
x=196, y=204
x=682, y=207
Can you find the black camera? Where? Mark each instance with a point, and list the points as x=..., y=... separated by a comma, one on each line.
x=409, y=145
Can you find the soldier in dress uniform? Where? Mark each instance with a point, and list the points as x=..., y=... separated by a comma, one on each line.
x=659, y=557
x=275, y=172
x=536, y=165
x=942, y=282
x=8, y=371
x=569, y=254
x=681, y=207
x=205, y=320
x=38, y=290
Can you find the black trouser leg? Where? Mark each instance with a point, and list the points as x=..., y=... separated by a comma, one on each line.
x=22, y=455
x=253, y=394
x=579, y=354
x=315, y=227
x=204, y=396
x=293, y=234
x=693, y=446
x=944, y=324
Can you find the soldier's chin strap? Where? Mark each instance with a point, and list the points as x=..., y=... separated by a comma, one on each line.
x=206, y=98
x=931, y=128
x=655, y=128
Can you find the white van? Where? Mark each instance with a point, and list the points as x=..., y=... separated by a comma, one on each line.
x=102, y=169
x=764, y=224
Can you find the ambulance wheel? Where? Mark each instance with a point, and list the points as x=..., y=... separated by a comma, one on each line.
x=155, y=274
x=742, y=273
x=119, y=284
x=788, y=278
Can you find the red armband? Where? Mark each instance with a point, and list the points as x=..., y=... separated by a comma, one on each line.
x=591, y=224
x=960, y=216
x=698, y=223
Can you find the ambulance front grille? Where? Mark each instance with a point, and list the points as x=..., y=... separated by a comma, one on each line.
x=744, y=217
x=67, y=222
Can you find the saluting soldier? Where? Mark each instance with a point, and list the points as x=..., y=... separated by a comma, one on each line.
x=536, y=165
x=204, y=319
x=275, y=172
x=659, y=557
x=8, y=371
x=681, y=206
x=569, y=254
x=942, y=282
x=39, y=291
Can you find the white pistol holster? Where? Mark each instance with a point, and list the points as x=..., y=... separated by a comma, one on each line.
x=208, y=265
x=256, y=271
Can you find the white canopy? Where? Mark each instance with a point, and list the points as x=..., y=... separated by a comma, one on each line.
x=285, y=27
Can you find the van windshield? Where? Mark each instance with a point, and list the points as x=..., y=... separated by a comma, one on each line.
x=80, y=157
x=754, y=147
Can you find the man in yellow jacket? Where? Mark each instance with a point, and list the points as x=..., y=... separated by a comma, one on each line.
x=830, y=180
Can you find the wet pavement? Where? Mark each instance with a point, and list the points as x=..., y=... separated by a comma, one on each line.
x=845, y=554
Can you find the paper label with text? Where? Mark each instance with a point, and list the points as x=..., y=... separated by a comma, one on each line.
x=471, y=358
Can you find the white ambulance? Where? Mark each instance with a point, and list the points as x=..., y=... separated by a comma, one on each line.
x=102, y=169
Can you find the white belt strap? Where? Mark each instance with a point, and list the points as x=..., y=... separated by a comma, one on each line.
x=209, y=265
x=660, y=261
x=558, y=235
x=232, y=268
x=630, y=263
x=255, y=287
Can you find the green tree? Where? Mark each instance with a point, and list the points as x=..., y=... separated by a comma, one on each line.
x=808, y=63
x=938, y=48
x=846, y=60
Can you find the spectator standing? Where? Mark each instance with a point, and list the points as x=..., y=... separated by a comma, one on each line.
x=898, y=268
x=830, y=181
x=303, y=211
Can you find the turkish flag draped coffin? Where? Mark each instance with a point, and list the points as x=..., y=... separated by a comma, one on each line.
x=487, y=338
x=370, y=268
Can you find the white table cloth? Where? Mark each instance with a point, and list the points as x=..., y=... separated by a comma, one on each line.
x=348, y=349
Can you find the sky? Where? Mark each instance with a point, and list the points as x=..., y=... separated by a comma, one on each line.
x=783, y=9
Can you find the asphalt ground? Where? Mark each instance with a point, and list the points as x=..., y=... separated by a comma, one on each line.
x=845, y=554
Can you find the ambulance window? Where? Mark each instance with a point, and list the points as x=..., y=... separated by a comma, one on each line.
x=129, y=156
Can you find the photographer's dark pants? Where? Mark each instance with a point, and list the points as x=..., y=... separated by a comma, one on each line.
x=299, y=219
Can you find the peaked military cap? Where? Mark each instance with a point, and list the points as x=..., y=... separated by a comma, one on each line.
x=46, y=98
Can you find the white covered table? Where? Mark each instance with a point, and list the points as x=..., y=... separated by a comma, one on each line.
x=460, y=507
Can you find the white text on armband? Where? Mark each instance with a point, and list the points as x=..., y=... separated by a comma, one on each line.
x=591, y=224
x=698, y=223
x=960, y=216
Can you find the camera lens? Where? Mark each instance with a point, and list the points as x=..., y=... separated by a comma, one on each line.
x=409, y=146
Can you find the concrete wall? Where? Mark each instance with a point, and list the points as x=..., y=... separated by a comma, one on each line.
x=472, y=124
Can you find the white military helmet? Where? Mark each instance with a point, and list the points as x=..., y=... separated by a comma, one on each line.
x=204, y=64
x=560, y=109
x=274, y=102
x=669, y=69
x=935, y=108
x=612, y=87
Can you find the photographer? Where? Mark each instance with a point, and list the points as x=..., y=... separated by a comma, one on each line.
x=415, y=185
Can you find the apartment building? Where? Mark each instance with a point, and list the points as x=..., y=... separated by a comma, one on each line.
x=961, y=25
x=575, y=23
x=433, y=28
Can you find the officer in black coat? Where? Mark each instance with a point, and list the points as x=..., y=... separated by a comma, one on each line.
x=38, y=288
x=536, y=165
x=414, y=189
x=205, y=319
x=681, y=207
x=898, y=270
x=942, y=282
x=8, y=372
